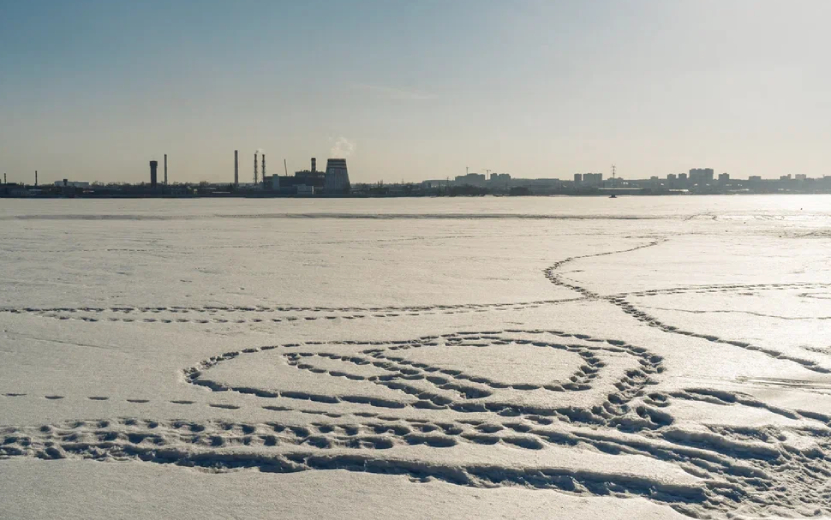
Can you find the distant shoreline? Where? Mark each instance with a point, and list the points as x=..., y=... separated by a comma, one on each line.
x=254, y=195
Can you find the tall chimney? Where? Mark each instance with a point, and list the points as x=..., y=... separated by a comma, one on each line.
x=236, y=167
x=36, y=178
x=314, y=165
x=263, y=169
x=165, y=169
x=153, y=166
x=255, y=168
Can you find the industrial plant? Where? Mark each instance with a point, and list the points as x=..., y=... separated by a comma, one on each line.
x=334, y=181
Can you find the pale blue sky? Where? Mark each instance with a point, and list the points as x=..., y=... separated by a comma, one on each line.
x=94, y=89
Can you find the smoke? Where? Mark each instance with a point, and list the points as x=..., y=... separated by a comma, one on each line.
x=342, y=148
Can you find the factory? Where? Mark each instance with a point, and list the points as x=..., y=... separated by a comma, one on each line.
x=333, y=181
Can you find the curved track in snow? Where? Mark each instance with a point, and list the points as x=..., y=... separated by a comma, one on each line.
x=607, y=406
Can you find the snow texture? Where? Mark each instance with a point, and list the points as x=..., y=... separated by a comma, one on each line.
x=643, y=357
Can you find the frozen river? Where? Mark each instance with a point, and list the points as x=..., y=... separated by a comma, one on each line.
x=645, y=357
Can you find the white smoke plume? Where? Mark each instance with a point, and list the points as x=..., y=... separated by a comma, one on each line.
x=342, y=148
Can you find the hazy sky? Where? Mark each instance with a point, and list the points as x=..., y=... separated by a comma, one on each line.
x=94, y=89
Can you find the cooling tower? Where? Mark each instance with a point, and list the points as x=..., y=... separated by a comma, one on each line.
x=337, y=177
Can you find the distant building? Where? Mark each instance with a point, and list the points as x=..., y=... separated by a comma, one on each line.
x=801, y=177
x=723, y=177
x=500, y=177
x=592, y=179
x=471, y=179
x=578, y=178
x=682, y=177
x=701, y=175
x=337, y=177
x=310, y=178
x=71, y=184
x=671, y=177
x=289, y=183
x=755, y=178
x=499, y=180
x=19, y=190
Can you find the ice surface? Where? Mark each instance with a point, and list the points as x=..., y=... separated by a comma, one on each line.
x=497, y=357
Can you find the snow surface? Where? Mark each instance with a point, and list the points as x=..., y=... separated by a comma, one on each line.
x=654, y=357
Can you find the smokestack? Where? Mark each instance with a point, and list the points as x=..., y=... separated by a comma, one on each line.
x=314, y=164
x=4, y=179
x=263, y=168
x=236, y=167
x=255, y=168
x=165, y=169
x=153, y=166
x=36, y=178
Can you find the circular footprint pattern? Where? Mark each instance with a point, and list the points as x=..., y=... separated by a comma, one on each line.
x=542, y=409
x=544, y=375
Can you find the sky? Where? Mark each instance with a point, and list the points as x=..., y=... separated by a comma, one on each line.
x=412, y=90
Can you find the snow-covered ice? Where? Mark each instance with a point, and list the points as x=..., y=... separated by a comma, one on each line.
x=653, y=357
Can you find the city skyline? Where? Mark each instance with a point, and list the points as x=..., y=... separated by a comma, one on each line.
x=93, y=90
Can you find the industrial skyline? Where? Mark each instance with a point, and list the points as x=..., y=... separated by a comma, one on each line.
x=259, y=173
x=92, y=89
x=334, y=182
x=261, y=178
x=490, y=178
